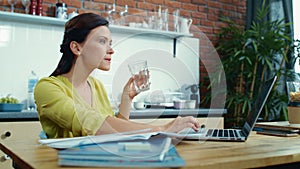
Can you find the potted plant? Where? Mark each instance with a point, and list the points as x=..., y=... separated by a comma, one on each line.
x=249, y=57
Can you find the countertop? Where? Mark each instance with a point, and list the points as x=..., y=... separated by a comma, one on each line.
x=135, y=114
x=167, y=113
x=19, y=116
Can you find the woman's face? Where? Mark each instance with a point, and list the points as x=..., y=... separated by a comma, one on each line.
x=96, y=50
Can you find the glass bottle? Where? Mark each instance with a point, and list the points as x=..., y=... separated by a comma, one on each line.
x=32, y=80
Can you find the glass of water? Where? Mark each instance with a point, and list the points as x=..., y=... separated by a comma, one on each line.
x=140, y=72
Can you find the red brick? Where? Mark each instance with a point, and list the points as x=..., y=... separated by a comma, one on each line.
x=196, y=21
x=105, y=1
x=146, y=6
x=134, y=11
x=130, y=3
x=185, y=13
x=215, y=4
x=213, y=17
x=226, y=1
x=221, y=24
x=48, y=10
x=50, y=1
x=206, y=29
x=239, y=2
x=229, y=8
x=241, y=10
x=202, y=9
x=190, y=7
x=199, y=15
x=74, y=3
x=185, y=1
x=173, y=4
x=155, y=1
x=208, y=23
x=80, y=11
x=199, y=2
x=90, y=5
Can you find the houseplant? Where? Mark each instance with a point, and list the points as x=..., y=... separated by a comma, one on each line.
x=249, y=57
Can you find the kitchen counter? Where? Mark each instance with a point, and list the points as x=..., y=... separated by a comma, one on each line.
x=169, y=113
x=19, y=116
x=135, y=114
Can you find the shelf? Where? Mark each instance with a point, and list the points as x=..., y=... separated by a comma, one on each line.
x=45, y=20
x=142, y=31
x=25, y=18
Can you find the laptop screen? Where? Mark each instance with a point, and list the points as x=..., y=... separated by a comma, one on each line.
x=258, y=106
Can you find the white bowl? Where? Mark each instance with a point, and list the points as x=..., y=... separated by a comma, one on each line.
x=190, y=104
x=139, y=105
x=184, y=104
x=179, y=104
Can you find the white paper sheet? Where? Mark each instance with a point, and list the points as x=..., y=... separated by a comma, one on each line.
x=64, y=143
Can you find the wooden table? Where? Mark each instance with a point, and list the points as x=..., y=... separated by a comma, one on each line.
x=257, y=151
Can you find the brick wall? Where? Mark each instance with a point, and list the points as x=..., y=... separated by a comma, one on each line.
x=206, y=16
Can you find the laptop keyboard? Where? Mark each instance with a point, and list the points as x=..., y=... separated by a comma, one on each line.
x=223, y=133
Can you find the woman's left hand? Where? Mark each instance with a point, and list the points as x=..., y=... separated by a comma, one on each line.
x=181, y=123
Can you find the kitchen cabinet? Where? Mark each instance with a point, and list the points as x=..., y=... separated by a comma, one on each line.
x=12, y=131
x=15, y=131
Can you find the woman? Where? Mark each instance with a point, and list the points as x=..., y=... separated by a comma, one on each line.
x=71, y=103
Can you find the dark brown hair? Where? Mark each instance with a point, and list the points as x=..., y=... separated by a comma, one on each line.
x=77, y=30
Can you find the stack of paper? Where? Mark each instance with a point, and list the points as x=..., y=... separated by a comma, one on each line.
x=155, y=152
x=63, y=143
x=277, y=129
x=137, y=150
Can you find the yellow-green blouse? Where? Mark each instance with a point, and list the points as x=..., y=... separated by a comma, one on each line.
x=63, y=113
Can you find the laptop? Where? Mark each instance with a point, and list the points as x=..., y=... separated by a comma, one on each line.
x=232, y=134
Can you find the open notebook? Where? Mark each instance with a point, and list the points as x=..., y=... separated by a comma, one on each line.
x=232, y=134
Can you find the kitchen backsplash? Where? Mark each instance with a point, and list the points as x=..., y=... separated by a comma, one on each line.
x=27, y=46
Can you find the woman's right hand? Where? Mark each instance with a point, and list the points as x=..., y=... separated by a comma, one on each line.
x=181, y=123
x=129, y=89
